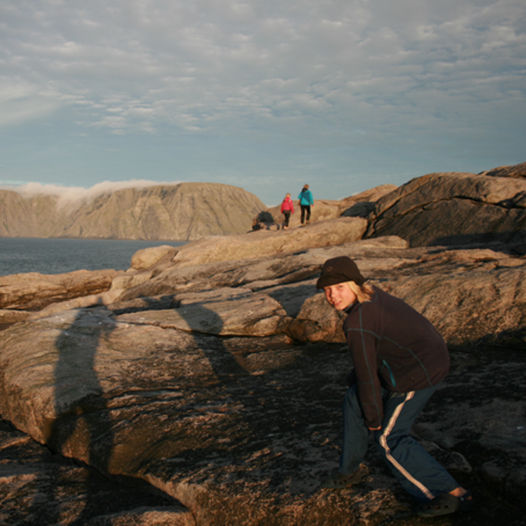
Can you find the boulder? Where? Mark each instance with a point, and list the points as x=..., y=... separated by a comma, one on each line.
x=33, y=291
x=237, y=314
x=454, y=209
x=449, y=289
x=517, y=170
x=264, y=243
x=150, y=257
x=260, y=273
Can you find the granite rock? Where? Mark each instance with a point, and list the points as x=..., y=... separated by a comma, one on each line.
x=213, y=375
x=455, y=209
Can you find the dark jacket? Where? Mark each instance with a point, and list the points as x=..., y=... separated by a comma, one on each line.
x=394, y=347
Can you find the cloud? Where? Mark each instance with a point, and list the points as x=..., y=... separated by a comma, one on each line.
x=162, y=56
x=135, y=65
x=21, y=101
x=69, y=194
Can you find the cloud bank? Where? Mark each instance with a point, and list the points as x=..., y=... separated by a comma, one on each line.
x=138, y=65
x=70, y=194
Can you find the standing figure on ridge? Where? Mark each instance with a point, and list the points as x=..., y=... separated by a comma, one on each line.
x=399, y=361
x=306, y=201
x=287, y=208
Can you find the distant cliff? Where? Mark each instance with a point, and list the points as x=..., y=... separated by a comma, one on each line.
x=181, y=211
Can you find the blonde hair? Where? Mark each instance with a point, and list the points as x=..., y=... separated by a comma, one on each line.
x=362, y=292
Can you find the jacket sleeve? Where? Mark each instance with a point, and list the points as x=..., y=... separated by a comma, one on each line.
x=362, y=343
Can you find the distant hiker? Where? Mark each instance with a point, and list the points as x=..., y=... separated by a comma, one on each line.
x=306, y=201
x=399, y=360
x=287, y=208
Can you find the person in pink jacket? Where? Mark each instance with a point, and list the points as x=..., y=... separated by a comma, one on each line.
x=287, y=208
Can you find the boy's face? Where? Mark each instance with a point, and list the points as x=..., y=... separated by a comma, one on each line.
x=340, y=296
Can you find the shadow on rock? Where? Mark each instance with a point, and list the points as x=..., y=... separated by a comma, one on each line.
x=79, y=400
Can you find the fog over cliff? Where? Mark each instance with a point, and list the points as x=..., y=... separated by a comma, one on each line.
x=132, y=210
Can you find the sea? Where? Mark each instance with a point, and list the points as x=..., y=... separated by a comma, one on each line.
x=55, y=256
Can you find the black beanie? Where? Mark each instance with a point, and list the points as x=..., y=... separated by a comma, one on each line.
x=339, y=270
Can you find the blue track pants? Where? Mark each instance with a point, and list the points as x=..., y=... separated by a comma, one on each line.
x=418, y=472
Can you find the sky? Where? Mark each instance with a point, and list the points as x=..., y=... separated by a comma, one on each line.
x=266, y=95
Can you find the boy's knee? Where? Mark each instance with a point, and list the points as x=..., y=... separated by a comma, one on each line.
x=392, y=443
x=380, y=441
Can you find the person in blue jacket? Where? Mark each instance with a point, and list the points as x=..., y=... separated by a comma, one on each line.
x=399, y=361
x=306, y=201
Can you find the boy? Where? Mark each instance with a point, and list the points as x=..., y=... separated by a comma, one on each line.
x=399, y=360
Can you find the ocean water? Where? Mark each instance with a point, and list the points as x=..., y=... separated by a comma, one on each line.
x=55, y=256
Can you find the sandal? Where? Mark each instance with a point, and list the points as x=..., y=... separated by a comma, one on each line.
x=445, y=504
x=338, y=480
